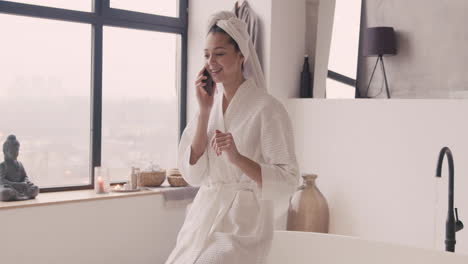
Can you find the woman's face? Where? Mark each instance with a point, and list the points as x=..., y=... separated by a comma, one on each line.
x=221, y=58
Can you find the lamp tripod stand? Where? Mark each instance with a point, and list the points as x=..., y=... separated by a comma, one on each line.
x=379, y=58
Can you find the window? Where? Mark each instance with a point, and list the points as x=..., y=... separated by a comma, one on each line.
x=139, y=100
x=45, y=73
x=157, y=7
x=81, y=5
x=81, y=88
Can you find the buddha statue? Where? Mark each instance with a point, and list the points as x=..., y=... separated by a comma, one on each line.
x=14, y=183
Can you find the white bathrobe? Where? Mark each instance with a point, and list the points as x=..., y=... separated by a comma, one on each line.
x=231, y=218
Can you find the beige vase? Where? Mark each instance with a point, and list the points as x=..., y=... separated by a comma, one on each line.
x=308, y=208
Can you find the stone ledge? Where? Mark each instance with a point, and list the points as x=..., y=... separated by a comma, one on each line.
x=78, y=196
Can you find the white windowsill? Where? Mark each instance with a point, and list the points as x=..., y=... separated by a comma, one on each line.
x=79, y=196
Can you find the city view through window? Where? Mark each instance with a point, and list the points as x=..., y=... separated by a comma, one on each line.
x=45, y=98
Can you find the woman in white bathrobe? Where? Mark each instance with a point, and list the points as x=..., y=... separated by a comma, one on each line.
x=240, y=149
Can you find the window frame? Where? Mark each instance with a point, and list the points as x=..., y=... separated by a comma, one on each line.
x=103, y=15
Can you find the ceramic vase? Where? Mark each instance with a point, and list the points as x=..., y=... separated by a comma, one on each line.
x=308, y=208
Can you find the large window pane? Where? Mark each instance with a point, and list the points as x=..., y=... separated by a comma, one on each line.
x=45, y=97
x=157, y=7
x=79, y=5
x=140, y=105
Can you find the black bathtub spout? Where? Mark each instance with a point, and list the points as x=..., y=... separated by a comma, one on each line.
x=452, y=224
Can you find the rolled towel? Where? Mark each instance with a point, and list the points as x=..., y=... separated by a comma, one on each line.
x=179, y=197
x=184, y=193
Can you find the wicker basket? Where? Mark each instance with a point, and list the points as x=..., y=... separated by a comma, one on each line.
x=151, y=178
x=173, y=171
x=176, y=181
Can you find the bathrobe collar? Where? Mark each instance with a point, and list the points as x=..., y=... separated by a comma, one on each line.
x=238, y=105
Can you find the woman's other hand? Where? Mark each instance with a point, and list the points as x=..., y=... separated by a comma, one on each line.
x=205, y=101
x=224, y=143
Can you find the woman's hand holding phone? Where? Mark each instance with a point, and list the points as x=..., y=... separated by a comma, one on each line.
x=208, y=83
x=204, y=93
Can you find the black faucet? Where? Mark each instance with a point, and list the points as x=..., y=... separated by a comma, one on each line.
x=452, y=225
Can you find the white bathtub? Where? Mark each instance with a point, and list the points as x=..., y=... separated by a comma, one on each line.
x=315, y=248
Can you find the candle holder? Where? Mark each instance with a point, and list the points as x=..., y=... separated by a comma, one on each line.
x=101, y=180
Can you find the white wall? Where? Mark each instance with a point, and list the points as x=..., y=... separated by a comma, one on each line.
x=288, y=38
x=123, y=230
x=376, y=162
x=431, y=56
x=322, y=52
x=312, y=7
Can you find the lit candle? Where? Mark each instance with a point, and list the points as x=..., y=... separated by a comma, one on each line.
x=100, y=185
x=117, y=187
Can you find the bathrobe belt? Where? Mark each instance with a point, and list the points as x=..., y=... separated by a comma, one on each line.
x=227, y=193
x=232, y=186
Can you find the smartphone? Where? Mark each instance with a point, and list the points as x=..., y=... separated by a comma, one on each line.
x=209, y=82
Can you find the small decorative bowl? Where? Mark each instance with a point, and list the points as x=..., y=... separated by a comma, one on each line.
x=151, y=178
x=176, y=181
x=173, y=171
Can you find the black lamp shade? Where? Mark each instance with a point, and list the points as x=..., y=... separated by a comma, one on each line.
x=379, y=41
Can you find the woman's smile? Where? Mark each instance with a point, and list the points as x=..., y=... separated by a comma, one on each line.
x=215, y=72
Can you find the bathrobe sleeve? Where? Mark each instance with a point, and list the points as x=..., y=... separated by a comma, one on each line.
x=280, y=175
x=196, y=173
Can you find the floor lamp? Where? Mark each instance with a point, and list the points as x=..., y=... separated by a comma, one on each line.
x=379, y=41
